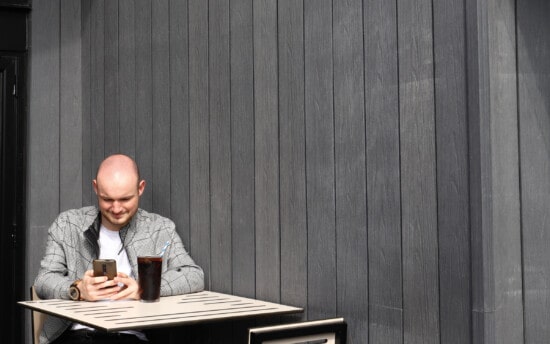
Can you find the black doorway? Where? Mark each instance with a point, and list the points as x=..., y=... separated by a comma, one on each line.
x=13, y=64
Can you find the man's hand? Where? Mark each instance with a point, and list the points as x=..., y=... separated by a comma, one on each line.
x=100, y=288
x=129, y=289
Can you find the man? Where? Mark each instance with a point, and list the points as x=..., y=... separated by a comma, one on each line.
x=116, y=229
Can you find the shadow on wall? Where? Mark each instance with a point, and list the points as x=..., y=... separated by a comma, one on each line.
x=533, y=39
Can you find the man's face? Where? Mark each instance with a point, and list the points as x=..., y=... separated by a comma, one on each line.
x=118, y=199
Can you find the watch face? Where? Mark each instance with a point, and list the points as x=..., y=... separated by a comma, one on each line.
x=74, y=293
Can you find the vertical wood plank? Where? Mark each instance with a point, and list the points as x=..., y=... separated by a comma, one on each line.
x=350, y=175
x=43, y=159
x=383, y=177
x=266, y=151
x=111, y=72
x=418, y=179
x=242, y=147
x=199, y=167
x=220, y=144
x=220, y=154
x=127, y=77
x=319, y=119
x=160, y=61
x=97, y=82
x=292, y=154
x=534, y=84
x=504, y=208
x=534, y=116
x=179, y=119
x=144, y=98
x=88, y=170
x=70, y=113
x=496, y=278
x=479, y=162
x=452, y=172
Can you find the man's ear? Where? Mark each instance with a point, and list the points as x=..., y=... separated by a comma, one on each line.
x=141, y=187
x=94, y=183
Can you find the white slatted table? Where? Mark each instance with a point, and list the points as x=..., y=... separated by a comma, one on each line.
x=169, y=311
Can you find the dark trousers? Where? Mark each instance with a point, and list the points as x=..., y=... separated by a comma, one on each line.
x=91, y=337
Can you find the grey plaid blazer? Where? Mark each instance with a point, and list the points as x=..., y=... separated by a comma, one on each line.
x=73, y=243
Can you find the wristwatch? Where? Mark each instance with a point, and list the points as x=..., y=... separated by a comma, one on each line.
x=74, y=292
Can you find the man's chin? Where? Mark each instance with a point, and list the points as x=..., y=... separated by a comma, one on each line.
x=118, y=222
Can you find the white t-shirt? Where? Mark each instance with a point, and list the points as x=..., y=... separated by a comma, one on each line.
x=110, y=247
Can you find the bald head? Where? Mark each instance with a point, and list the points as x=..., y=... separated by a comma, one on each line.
x=117, y=165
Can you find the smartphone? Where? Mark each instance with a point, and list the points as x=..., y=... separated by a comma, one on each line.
x=105, y=267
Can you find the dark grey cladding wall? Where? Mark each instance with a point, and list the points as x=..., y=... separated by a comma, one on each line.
x=384, y=161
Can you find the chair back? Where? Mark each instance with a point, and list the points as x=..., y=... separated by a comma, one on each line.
x=37, y=319
x=326, y=331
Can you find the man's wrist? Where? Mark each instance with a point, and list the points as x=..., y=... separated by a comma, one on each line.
x=74, y=291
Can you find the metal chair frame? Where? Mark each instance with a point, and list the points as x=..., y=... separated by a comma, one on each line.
x=311, y=332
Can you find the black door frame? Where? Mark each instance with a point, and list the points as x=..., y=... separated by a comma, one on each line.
x=12, y=200
x=13, y=144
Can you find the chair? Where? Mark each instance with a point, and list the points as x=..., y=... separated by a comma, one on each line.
x=37, y=319
x=329, y=331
